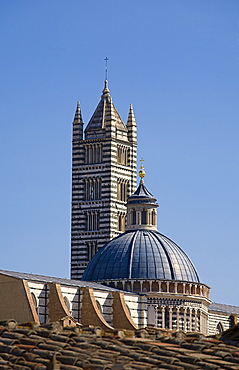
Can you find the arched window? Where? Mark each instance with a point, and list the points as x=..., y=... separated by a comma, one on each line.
x=92, y=188
x=155, y=287
x=180, y=288
x=92, y=220
x=91, y=249
x=144, y=217
x=123, y=155
x=171, y=288
x=122, y=190
x=153, y=217
x=136, y=286
x=128, y=285
x=134, y=217
x=146, y=286
x=166, y=318
x=93, y=153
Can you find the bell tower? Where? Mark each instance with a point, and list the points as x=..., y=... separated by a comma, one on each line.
x=103, y=176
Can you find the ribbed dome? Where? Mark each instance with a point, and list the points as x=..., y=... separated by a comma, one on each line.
x=141, y=254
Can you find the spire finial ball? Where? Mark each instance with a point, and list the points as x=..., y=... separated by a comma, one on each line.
x=142, y=173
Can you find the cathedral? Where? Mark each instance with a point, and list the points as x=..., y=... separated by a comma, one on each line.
x=125, y=274
x=114, y=237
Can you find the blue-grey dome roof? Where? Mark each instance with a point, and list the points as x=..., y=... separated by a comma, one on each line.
x=141, y=254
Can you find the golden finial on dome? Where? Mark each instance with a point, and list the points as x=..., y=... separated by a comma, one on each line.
x=142, y=173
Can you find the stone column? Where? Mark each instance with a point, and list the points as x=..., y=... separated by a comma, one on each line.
x=163, y=317
x=178, y=310
x=160, y=288
x=190, y=319
x=138, y=213
x=141, y=285
x=200, y=290
x=185, y=319
x=170, y=318
x=150, y=285
x=167, y=283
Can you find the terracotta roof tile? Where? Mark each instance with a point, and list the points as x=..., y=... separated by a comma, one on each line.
x=52, y=347
x=190, y=366
x=194, y=346
x=11, y=334
x=171, y=367
x=8, y=341
x=208, y=366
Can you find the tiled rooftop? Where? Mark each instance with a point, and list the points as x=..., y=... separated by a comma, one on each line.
x=35, y=347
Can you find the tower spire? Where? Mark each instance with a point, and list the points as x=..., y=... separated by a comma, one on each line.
x=78, y=116
x=78, y=124
x=131, y=125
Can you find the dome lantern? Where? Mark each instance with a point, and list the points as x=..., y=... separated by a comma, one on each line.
x=141, y=207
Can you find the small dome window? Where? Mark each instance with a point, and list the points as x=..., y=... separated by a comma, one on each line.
x=144, y=217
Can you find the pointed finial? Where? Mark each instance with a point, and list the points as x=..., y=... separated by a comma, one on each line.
x=78, y=116
x=131, y=119
x=106, y=89
x=142, y=173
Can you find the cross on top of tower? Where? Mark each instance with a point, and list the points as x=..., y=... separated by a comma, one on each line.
x=106, y=68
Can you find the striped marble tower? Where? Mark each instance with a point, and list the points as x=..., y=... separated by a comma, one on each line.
x=103, y=176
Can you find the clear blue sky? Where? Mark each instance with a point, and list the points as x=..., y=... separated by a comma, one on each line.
x=178, y=63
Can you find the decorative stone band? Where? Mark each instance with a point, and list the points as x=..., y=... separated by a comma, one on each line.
x=160, y=286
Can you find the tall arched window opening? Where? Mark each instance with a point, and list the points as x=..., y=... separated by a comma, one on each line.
x=92, y=220
x=144, y=217
x=92, y=188
x=93, y=153
x=122, y=190
x=92, y=249
x=153, y=217
x=123, y=155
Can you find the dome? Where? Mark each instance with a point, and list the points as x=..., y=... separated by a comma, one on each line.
x=141, y=254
